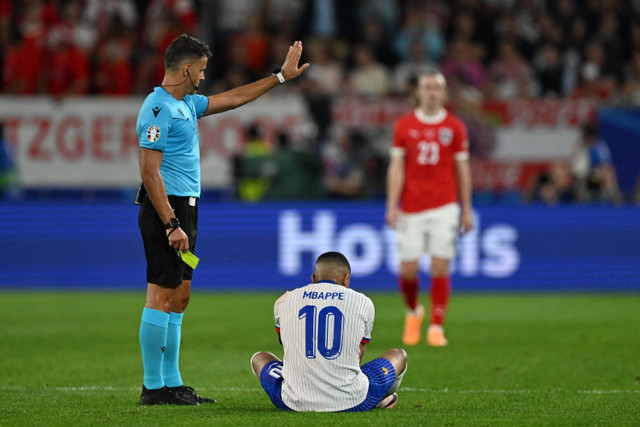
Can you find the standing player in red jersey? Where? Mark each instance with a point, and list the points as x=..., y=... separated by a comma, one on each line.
x=428, y=184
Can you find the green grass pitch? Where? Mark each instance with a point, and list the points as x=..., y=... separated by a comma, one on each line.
x=72, y=358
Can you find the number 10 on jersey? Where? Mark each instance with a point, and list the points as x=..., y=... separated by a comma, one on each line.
x=318, y=331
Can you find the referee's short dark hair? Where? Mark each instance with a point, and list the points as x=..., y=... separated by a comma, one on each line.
x=335, y=258
x=184, y=48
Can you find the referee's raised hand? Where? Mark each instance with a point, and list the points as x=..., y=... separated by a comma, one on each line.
x=290, y=69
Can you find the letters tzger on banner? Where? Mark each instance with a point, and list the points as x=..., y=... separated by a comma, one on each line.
x=91, y=142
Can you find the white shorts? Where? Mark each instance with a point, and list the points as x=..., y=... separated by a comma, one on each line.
x=434, y=231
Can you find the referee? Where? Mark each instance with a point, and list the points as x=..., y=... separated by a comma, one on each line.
x=168, y=219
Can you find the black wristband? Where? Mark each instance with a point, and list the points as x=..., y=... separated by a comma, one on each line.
x=173, y=223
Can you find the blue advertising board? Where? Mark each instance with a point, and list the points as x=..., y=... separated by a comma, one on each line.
x=273, y=247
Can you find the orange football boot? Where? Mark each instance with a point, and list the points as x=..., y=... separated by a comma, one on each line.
x=413, y=326
x=435, y=336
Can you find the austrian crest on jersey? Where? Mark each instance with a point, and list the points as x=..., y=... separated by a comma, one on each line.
x=445, y=135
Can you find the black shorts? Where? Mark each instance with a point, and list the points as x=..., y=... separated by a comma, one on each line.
x=164, y=264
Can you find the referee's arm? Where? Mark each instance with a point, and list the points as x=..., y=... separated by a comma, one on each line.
x=150, y=161
x=241, y=95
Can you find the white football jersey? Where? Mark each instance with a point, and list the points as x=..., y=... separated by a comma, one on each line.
x=321, y=326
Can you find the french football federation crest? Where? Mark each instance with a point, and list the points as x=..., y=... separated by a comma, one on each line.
x=153, y=133
x=445, y=135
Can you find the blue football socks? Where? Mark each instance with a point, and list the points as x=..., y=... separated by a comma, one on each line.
x=170, y=368
x=153, y=343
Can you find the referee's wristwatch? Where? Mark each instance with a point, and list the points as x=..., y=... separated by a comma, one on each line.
x=172, y=224
x=278, y=73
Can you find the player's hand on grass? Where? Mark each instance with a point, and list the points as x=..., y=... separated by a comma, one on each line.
x=290, y=69
x=178, y=240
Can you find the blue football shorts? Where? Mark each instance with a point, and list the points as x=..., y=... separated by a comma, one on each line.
x=382, y=375
x=380, y=372
x=271, y=381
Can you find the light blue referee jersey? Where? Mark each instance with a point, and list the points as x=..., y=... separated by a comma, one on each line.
x=171, y=126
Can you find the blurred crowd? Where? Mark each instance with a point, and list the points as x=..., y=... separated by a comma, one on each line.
x=588, y=176
x=493, y=48
x=487, y=49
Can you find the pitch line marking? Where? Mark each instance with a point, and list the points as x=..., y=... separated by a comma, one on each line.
x=402, y=389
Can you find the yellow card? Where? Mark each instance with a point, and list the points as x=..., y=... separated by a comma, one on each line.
x=190, y=259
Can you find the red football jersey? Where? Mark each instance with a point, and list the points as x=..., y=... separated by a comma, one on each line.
x=431, y=145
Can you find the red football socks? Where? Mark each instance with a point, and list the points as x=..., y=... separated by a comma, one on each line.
x=409, y=288
x=440, y=290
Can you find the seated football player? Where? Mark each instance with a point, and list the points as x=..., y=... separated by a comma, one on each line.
x=324, y=328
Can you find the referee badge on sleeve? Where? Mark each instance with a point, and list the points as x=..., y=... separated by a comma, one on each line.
x=153, y=133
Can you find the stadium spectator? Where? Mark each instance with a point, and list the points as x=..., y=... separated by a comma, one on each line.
x=156, y=11
x=592, y=168
x=509, y=73
x=320, y=375
x=329, y=19
x=323, y=82
x=170, y=172
x=283, y=16
x=548, y=69
x=6, y=12
x=387, y=12
x=377, y=39
x=428, y=176
x=72, y=28
x=413, y=66
x=368, y=77
x=17, y=78
x=608, y=36
x=114, y=73
x=345, y=174
x=422, y=26
x=29, y=48
x=250, y=45
x=253, y=178
x=552, y=186
x=100, y=14
x=463, y=27
x=293, y=171
x=595, y=80
x=69, y=43
x=630, y=93
x=572, y=56
x=8, y=170
x=327, y=73
x=634, y=35
x=462, y=61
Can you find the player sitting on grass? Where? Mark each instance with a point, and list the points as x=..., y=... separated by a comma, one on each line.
x=323, y=328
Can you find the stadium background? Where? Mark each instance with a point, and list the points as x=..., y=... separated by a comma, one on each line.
x=524, y=75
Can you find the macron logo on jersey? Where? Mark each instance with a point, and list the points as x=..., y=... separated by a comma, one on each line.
x=323, y=295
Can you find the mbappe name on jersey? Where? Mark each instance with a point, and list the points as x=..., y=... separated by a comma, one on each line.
x=323, y=295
